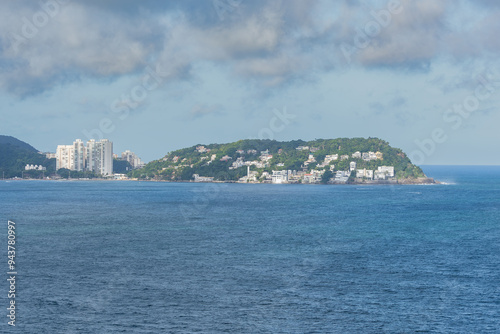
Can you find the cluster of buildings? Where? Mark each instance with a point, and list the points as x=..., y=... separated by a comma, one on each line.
x=132, y=159
x=368, y=156
x=262, y=162
x=327, y=162
x=382, y=173
x=202, y=149
x=314, y=175
x=307, y=148
x=281, y=176
x=285, y=176
x=34, y=167
x=198, y=178
x=92, y=156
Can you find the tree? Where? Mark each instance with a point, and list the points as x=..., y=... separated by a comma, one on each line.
x=121, y=166
x=327, y=175
x=182, y=164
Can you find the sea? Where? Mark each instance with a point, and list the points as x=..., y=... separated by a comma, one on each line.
x=157, y=257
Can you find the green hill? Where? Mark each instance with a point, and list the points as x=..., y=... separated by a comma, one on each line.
x=16, y=154
x=16, y=142
x=229, y=161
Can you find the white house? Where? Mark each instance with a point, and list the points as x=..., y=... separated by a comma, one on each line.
x=198, y=178
x=280, y=176
x=384, y=172
x=365, y=173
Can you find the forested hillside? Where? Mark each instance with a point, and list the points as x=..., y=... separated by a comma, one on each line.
x=15, y=154
x=224, y=161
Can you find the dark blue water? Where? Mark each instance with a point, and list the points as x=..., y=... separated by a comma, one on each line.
x=144, y=257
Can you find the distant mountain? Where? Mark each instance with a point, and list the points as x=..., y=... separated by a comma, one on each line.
x=16, y=154
x=316, y=161
x=16, y=142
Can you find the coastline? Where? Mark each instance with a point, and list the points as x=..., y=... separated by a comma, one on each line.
x=419, y=181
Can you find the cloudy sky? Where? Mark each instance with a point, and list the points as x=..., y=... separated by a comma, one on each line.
x=155, y=76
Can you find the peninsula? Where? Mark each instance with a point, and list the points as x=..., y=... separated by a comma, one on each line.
x=326, y=161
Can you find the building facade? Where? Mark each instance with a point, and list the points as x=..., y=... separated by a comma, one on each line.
x=65, y=157
x=135, y=161
x=79, y=151
x=96, y=156
x=280, y=176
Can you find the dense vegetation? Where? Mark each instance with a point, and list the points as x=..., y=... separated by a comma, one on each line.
x=190, y=161
x=121, y=166
x=15, y=154
x=16, y=142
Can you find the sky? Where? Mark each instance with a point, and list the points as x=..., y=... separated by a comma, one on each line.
x=156, y=76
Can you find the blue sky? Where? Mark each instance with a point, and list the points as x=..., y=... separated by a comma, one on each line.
x=155, y=76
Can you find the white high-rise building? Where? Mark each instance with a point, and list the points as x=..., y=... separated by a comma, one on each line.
x=79, y=156
x=65, y=156
x=104, y=157
x=91, y=153
x=96, y=156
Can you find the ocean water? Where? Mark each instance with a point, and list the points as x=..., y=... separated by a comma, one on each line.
x=146, y=257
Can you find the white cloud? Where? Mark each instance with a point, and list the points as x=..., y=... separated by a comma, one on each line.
x=270, y=41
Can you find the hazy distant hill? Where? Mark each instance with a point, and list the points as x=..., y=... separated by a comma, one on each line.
x=15, y=154
x=16, y=142
x=218, y=160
